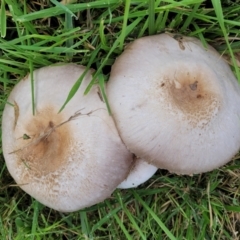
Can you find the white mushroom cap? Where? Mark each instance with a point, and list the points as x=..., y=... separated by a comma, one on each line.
x=140, y=172
x=69, y=166
x=176, y=104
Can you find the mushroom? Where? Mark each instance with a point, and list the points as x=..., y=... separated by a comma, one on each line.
x=140, y=172
x=68, y=160
x=176, y=103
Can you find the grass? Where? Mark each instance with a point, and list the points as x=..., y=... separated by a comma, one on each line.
x=38, y=33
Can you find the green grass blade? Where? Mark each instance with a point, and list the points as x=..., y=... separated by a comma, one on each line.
x=115, y=45
x=3, y=20
x=219, y=13
x=131, y=218
x=85, y=224
x=69, y=26
x=2, y=229
x=55, y=11
x=35, y=219
x=16, y=12
x=155, y=217
x=80, y=79
x=101, y=80
x=64, y=8
x=124, y=26
x=120, y=224
x=151, y=17
x=101, y=33
x=190, y=17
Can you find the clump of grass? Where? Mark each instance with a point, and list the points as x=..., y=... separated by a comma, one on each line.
x=39, y=33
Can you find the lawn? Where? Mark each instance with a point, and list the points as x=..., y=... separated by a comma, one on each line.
x=38, y=33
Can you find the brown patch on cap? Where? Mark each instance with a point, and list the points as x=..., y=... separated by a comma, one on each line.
x=194, y=96
x=50, y=144
x=189, y=95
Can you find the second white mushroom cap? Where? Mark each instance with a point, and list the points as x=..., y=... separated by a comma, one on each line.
x=176, y=104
